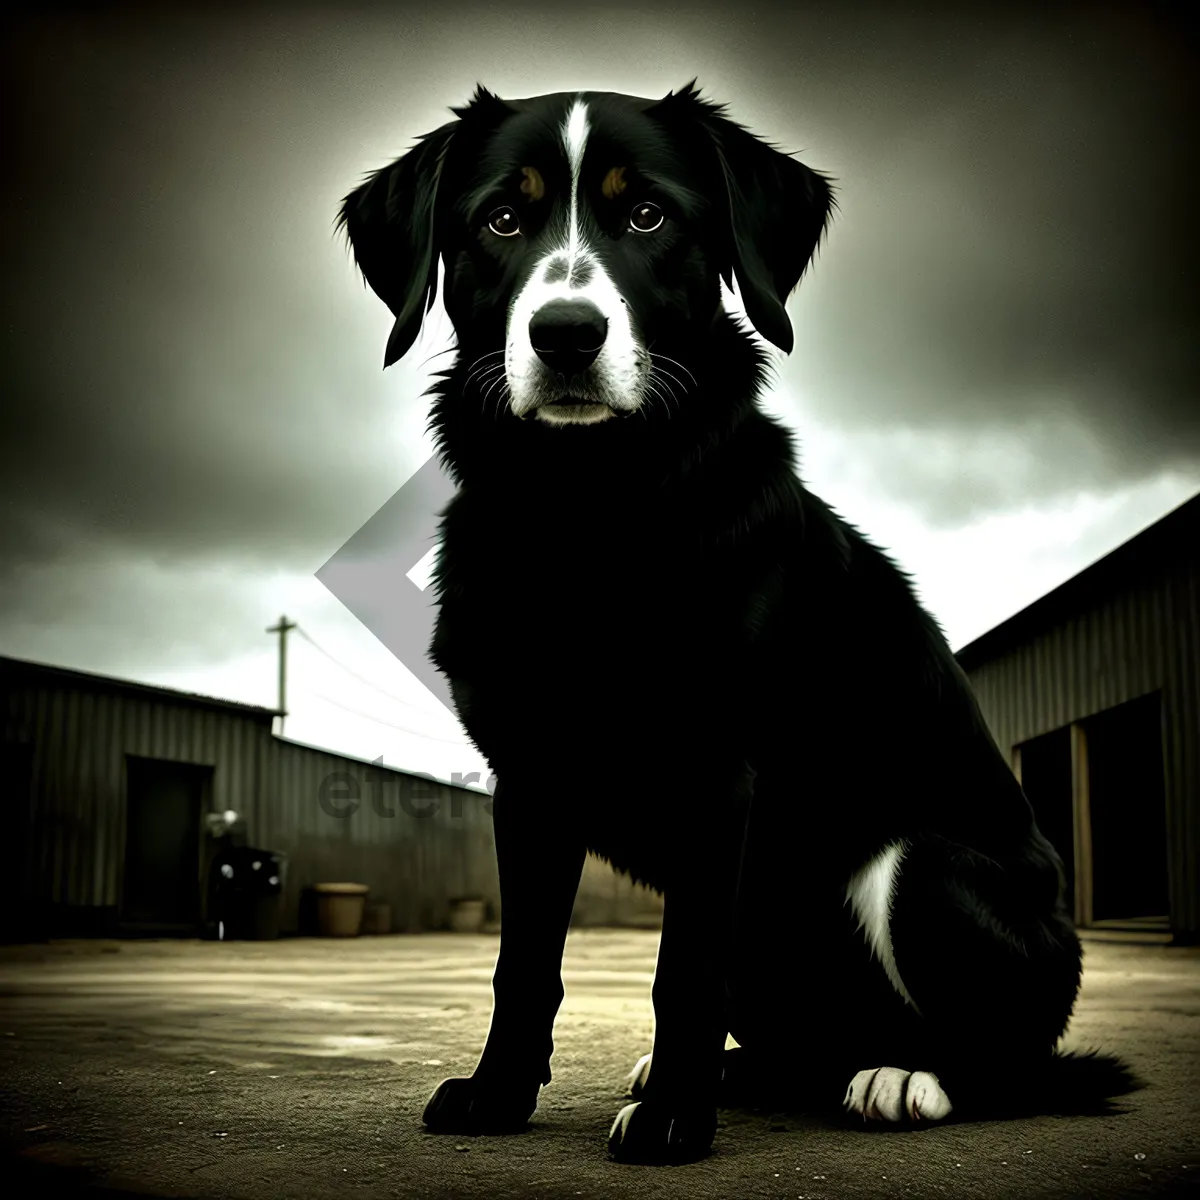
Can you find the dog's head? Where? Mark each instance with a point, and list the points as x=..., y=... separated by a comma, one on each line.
x=584, y=236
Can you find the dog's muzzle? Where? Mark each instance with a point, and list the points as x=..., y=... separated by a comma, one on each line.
x=572, y=356
x=568, y=335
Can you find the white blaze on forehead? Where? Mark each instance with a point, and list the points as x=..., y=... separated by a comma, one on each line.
x=575, y=134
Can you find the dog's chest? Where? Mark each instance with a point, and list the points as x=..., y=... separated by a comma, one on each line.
x=602, y=595
x=578, y=614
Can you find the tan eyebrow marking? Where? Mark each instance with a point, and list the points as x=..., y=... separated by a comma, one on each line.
x=614, y=183
x=532, y=184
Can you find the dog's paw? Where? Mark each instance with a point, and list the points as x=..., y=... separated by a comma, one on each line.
x=636, y=1079
x=648, y=1132
x=475, y=1106
x=890, y=1095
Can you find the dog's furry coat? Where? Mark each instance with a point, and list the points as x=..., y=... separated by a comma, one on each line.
x=674, y=655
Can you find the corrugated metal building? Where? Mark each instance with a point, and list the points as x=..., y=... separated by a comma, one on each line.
x=106, y=785
x=1094, y=691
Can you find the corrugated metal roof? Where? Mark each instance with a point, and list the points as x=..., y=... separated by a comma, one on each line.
x=22, y=666
x=1173, y=537
x=366, y=762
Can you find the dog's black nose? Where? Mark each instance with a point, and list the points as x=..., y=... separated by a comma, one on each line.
x=568, y=334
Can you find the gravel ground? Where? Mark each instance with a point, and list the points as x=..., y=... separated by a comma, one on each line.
x=247, y=1071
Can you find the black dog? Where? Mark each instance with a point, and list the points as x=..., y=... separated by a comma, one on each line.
x=636, y=590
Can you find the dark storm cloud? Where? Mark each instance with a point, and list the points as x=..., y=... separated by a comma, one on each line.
x=192, y=367
x=1015, y=260
x=177, y=377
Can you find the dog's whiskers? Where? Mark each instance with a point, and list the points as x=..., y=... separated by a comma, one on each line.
x=654, y=393
x=657, y=366
x=497, y=378
x=663, y=389
x=658, y=393
x=489, y=373
x=481, y=365
x=675, y=362
x=504, y=396
x=662, y=371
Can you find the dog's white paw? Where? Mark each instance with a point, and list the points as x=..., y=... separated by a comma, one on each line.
x=636, y=1079
x=890, y=1094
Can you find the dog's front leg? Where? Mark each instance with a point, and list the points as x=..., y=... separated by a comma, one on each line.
x=540, y=856
x=676, y=1118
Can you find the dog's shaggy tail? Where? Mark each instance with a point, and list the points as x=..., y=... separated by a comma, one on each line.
x=1083, y=1081
x=1066, y=1083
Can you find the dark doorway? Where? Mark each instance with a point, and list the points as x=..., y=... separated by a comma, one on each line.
x=165, y=800
x=1046, y=779
x=1128, y=811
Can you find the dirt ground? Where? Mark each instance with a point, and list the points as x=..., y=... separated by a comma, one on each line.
x=299, y=1068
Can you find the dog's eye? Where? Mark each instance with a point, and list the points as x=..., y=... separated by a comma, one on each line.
x=504, y=222
x=646, y=218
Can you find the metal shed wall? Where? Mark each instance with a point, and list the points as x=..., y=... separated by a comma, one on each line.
x=1139, y=636
x=418, y=844
x=79, y=734
x=71, y=809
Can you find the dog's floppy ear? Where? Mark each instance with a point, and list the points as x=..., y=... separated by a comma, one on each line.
x=393, y=220
x=777, y=212
x=390, y=223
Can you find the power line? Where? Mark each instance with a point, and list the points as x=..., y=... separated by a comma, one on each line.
x=390, y=724
x=361, y=679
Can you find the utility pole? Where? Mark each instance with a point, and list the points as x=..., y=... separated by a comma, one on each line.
x=282, y=629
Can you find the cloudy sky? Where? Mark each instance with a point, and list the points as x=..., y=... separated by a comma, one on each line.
x=994, y=371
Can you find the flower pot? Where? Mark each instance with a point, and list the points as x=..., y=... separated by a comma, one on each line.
x=340, y=908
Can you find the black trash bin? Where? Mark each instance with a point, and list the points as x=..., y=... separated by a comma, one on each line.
x=246, y=887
